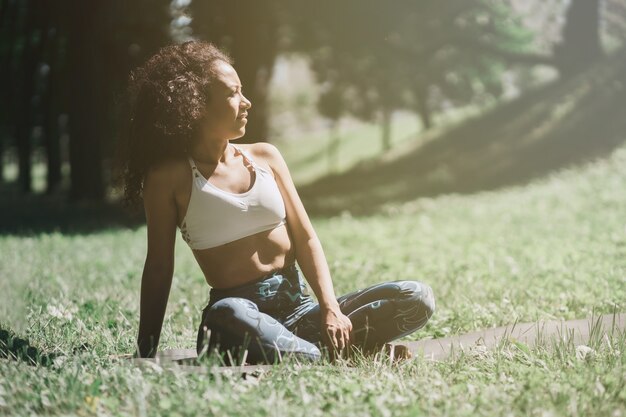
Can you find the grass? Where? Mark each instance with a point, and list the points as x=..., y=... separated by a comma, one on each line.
x=553, y=249
x=358, y=141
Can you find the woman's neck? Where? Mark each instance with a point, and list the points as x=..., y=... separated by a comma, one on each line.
x=210, y=151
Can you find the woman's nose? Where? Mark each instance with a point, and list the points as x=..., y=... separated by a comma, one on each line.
x=246, y=103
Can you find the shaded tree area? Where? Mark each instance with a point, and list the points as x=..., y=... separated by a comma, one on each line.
x=581, y=37
x=372, y=59
x=614, y=21
x=369, y=58
x=249, y=31
x=64, y=65
x=568, y=121
x=106, y=40
x=68, y=61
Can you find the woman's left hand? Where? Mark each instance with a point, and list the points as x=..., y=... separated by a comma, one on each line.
x=336, y=329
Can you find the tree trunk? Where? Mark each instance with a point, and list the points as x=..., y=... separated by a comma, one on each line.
x=4, y=4
x=255, y=74
x=333, y=146
x=8, y=20
x=27, y=83
x=423, y=110
x=1, y=155
x=581, y=45
x=386, y=129
x=251, y=39
x=85, y=106
x=51, y=121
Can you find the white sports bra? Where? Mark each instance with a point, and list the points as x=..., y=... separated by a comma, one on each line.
x=216, y=217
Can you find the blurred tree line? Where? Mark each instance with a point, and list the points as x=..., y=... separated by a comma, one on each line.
x=64, y=64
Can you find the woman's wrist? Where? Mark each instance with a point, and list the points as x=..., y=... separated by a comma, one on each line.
x=329, y=306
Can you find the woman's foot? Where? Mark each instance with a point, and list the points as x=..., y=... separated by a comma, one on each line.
x=397, y=352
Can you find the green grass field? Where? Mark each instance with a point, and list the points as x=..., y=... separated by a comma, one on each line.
x=554, y=249
x=360, y=142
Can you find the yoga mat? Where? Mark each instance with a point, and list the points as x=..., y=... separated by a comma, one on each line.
x=577, y=331
x=530, y=334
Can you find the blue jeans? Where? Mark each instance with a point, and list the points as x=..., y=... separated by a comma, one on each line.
x=274, y=316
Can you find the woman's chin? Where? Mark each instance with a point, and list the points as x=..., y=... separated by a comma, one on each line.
x=240, y=134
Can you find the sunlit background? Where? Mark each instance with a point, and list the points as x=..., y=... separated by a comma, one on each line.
x=475, y=145
x=410, y=97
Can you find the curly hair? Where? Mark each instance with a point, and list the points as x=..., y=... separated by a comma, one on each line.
x=167, y=96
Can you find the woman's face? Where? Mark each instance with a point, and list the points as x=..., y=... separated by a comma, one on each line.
x=228, y=108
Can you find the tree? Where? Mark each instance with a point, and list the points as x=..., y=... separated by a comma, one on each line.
x=614, y=22
x=31, y=28
x=248, y=30
x=35, y=35
x=406, y=54
x=581, y=45
x=105, y=41
x=72, y=57
x=86, y=102
x=330, y=106
x=10, y=26
x=52, y=104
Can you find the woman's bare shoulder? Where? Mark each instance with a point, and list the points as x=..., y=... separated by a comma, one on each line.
x=265, y=154
x=263, y=150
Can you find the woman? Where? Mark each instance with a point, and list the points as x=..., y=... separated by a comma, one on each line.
x=237, y=208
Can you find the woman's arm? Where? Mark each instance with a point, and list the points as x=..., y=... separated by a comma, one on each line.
x=309, y=252
x=156, y=281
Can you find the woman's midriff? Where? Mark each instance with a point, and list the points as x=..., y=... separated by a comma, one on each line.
x=246, y=259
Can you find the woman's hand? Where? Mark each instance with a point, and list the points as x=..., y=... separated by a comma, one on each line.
x=156, y=280
x=335, y=326
x=336, y=330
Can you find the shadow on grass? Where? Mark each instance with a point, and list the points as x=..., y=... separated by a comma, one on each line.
x=27, y=215
x=16, y=348
x=564, y=123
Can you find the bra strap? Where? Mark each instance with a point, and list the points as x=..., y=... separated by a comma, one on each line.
x=196, y=172
x=194, y=168
x=246, y=156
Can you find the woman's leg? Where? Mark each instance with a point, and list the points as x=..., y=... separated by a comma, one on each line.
x=379, y=314
x=233, y=324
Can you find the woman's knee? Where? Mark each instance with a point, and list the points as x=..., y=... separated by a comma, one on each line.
x=226, y=314
x=228, y=309
x=417, y=294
